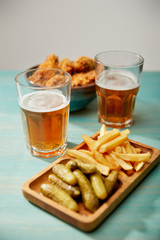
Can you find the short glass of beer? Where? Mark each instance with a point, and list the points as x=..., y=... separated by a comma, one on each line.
x=44, y=107
x=118, y=78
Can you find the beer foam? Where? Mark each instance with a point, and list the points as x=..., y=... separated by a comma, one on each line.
x=43, y=101
x=117, y=80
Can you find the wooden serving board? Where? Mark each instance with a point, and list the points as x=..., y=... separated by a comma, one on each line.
x=85, y=220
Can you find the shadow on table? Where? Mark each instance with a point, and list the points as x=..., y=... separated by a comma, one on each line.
x=132, y=219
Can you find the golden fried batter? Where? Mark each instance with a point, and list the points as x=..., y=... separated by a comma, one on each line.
x=84, y=64
x=55, y=80
x=66, y=65
x=82, y=71
x=90, y=76
x=82, y=79
x=41, y=76
x=50, y=62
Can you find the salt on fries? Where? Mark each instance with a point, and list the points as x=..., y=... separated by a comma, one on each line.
x=112, y=150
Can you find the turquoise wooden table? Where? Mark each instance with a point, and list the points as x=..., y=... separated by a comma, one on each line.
x=137, y=217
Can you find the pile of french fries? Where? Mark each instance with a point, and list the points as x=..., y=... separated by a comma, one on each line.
x=111, y=151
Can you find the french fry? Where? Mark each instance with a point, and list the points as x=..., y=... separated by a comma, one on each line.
x=138, y=165
x=122, y=163
x=129, y=172
x=133, y=149
x=118, y=149
x=125, y=132
x=80, y=155
x=89, y=141
x=103, y=130
x=89, y=159
x=112, y=150
x=122, y=173
x=113, y=143
x=100, y=158
x=143, y=157
x=128, y=147
x=138, y=150
x=106, y=138
x=86, y=151
x=123, y=149
x=113, y=162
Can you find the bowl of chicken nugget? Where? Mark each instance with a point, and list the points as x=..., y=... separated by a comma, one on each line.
x=82, y=71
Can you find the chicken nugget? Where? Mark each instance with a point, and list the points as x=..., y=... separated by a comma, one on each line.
x=77, y=80
x=90, y=76
x=50, y=62
x=41, y=76
x=84, y=64
x=36, y=77
x=55, y=80
x=82, y=79
x=66, y=65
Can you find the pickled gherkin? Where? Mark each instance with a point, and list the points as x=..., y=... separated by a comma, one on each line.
x=74, y=191
x=59, y=195
x=89, y=198
x=98, y=185
x=64, y=174
x=111, y=181
x=86, y=168
x=72, y=165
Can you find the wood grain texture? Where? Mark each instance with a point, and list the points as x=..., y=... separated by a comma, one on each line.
x=85, y=220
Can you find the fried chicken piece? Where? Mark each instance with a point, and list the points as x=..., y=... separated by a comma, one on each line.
x=41, y=76
x=55, y=80
x=84, y=64
x=90, y=76
x=46, y=77
x=66, y=65
x=82, y=79
x=50, y=62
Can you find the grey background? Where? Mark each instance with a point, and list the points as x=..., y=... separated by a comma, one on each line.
x=30, y=30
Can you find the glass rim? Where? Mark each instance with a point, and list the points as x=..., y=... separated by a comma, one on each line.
x=120, y=66
x=34, y=87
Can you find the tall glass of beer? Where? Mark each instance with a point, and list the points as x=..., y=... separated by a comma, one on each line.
x=44, y=100
x=118, y=78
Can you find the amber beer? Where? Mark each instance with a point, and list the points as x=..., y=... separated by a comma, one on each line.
x=45, y=117
x=116, y=95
